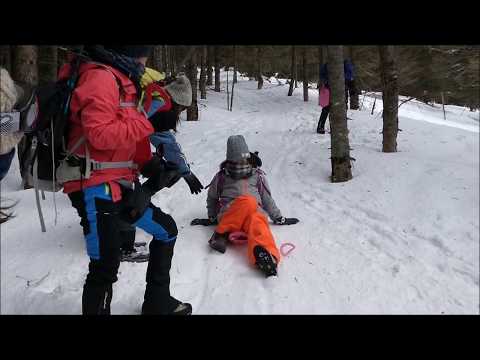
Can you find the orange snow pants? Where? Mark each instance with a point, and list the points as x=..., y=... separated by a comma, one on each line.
x=243, y=215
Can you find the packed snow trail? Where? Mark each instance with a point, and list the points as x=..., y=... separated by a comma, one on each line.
x=401, y=237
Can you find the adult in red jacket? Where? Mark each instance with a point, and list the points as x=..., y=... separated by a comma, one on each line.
x=113, y=135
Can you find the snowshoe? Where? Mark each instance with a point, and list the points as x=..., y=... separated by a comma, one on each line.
x=134, y=256
x=218, y=242
x=183, y=309
x=265, y=261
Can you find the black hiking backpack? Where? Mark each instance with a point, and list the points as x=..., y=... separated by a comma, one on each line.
x=46, y=133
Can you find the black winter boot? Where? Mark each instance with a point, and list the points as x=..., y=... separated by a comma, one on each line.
x=96, y=299
x=158, y=300
x=219, y=242
x=265, y=261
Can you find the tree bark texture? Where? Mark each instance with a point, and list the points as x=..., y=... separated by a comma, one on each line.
x=340, y=147
x=389, y=78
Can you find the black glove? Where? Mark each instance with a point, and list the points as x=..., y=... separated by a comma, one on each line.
x=193, y=183
x=204, y=222
x=160, y=174
x=255, y=160
x=136, y=202
x=285, y=221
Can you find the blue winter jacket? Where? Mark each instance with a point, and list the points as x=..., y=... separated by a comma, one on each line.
x=171, y=149
x=347, y=68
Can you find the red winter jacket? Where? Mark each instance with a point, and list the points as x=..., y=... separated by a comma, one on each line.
x=112, y=132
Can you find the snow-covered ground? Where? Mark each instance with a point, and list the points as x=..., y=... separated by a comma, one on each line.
x=401, y=237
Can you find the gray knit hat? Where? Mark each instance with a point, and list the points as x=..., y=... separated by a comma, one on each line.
x=180, y=90
x=237, y=148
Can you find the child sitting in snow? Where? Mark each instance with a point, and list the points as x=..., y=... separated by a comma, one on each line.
x=238, y=199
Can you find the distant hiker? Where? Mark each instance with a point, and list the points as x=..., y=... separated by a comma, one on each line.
x=109, y=135
x=238, y=200
x=164, y=108
x=349, y=89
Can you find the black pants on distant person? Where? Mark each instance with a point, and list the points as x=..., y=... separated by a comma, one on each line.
x=326, y=109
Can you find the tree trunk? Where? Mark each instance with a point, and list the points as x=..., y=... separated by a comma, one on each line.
x=203, y=75
x=24, y=64
x=259, y=68
x=231, y=96
x=192, y=111
x=340, y=158
x=61, y=58
x=443, y=106
x=5, y=57
x=390, y=98
x=165, y=58
x=47, y=63
x=156, y=58
x=228, y=91
x=292, y=72
x=320, y=64
x=209, y=66
x=216, y=55
x=354, y=92
x=304, y=75
x=234, y=66
x=296, y=71
x=173, y=60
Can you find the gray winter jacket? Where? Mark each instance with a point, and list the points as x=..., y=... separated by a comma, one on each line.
x=255, y=185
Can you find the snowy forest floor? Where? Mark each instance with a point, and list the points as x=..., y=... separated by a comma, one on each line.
x=402, y=237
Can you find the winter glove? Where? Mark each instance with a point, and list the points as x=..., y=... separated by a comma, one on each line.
x=166, y=178
x=150, y=76
x=136, y=202
x=255, y=160
x=163, y=120
x=160, y=174
x=204, y=222
x=193, y=183
x=285, y=221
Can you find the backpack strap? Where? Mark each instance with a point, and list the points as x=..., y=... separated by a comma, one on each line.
x=260, y=182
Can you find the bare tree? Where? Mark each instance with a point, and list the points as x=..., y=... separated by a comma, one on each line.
x=292, y=72
x=259, y=68
x=353, y=91
x=156, y=58
x=5, y=57
x=390, y=97
x=192, y=111
x=173, y=60
x=340, y=158
x=203, y=71
x=304, y=74
x=209, y=66
x=47, y=63
x=165, y=58
x=234, y=67
x=320, y=64
x=216, y=55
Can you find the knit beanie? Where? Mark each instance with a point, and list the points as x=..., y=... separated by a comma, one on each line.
x=180, y=90
x=237, y=148
x=133, y=51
